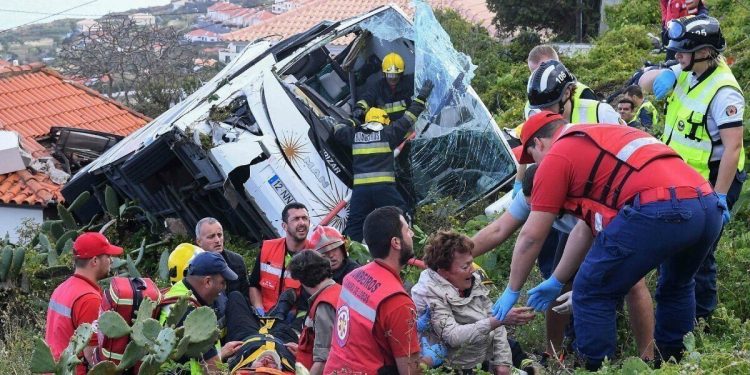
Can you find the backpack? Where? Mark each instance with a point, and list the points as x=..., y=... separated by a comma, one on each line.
x=124, y=296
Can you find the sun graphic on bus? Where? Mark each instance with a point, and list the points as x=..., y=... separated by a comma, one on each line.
x=291, y=147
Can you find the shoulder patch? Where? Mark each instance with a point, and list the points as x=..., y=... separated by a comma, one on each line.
x=731, y=110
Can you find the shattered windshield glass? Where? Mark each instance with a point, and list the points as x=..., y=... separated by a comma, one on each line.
x=457, y=151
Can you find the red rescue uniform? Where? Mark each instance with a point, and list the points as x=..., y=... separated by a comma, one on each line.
x=593, y=183
x=329, y=295
x=272, y=266
x=74, y=302
x=375, y=322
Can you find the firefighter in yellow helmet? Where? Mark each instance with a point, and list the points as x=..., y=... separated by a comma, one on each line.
x=179, y=259
x=392, y=93
x=373, y=162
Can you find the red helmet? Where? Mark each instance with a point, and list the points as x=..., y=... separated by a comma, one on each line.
x=326, y=239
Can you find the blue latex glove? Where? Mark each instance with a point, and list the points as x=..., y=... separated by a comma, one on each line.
x=436, y=352
x=725, y=213
x=543, y=294
x=423, y=321
x=504, y=303
x=517, y=186
x=260, y=311
x=664, y=83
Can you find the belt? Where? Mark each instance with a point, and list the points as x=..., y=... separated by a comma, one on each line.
x=681, y=192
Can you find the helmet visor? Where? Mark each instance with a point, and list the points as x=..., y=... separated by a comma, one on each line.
x=675, y=30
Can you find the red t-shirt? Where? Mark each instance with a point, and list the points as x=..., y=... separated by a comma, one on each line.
x=395, y=327
x=566, y=168
x=86, y=308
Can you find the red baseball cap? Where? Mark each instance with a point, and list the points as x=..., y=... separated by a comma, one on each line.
x=530, y=127
x=91, y=244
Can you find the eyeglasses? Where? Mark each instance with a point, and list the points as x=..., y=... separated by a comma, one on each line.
x=675, y=30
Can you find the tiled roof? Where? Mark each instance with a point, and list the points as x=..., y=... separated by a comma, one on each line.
x=28, y=188
x=34, y=98
x=311, y=13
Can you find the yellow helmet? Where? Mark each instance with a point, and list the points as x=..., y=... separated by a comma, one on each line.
x=483, y=276
x=179, y=259
x=393, y=63
x=378, y=115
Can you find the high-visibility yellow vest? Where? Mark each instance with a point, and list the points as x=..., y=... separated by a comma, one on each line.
x=648, y=106
x=179, y=289
x=585, y=111
x=685, y=125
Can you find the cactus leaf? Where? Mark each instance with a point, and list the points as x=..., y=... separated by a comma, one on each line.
x=44, y=244
x=164, y=266
x=68, y=247
x=52, y=258
x=112, y=325
x=80, y=339
x=42, y=360
x=146, y=310
x=104, y=368
x=196, y=349
x=181, y=348
x=60, y=244
x=53, y=227
x=177, y=312
x=118, y=262
x=131, y=266
x=15, y=265
x=149, y=366
x=141, y=250
x=165, y=342
x=67, y=218
x=80, y=200
x=112, y=201
x=133, y=353
x=200, y=324
x=145, y=332
x=5, y=260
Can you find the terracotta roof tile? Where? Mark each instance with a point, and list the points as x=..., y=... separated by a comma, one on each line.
x=28, y=188
x=33, y=99
x=310, y=13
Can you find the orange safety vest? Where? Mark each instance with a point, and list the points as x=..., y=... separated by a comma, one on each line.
x=329, y=295
x=353, y=346
x=632, y=148
x=272, y=265
x=60, y=327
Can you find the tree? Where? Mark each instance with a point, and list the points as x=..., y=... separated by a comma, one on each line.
x=558, y=17
x=147, y=67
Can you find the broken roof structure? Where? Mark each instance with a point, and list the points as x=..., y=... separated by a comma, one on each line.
x=257, y=136
x=34, y=100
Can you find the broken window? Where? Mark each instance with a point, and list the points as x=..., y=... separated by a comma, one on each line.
x=457, y=151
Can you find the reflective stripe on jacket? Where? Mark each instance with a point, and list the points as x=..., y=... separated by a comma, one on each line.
x=60, y=327
x=685, y=125
x=632, y=148
x=272, y=265
x=329, y=295
x=353, y=346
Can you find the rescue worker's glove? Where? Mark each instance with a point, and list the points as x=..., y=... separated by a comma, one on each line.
x=423, y=320
x=725, y=213
x=566, y=307
x=435, y=352
x=358, y=113
x=426, y=90
x=517, y=186
x=505, y=303
x=664, y=83
x=542, y=295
